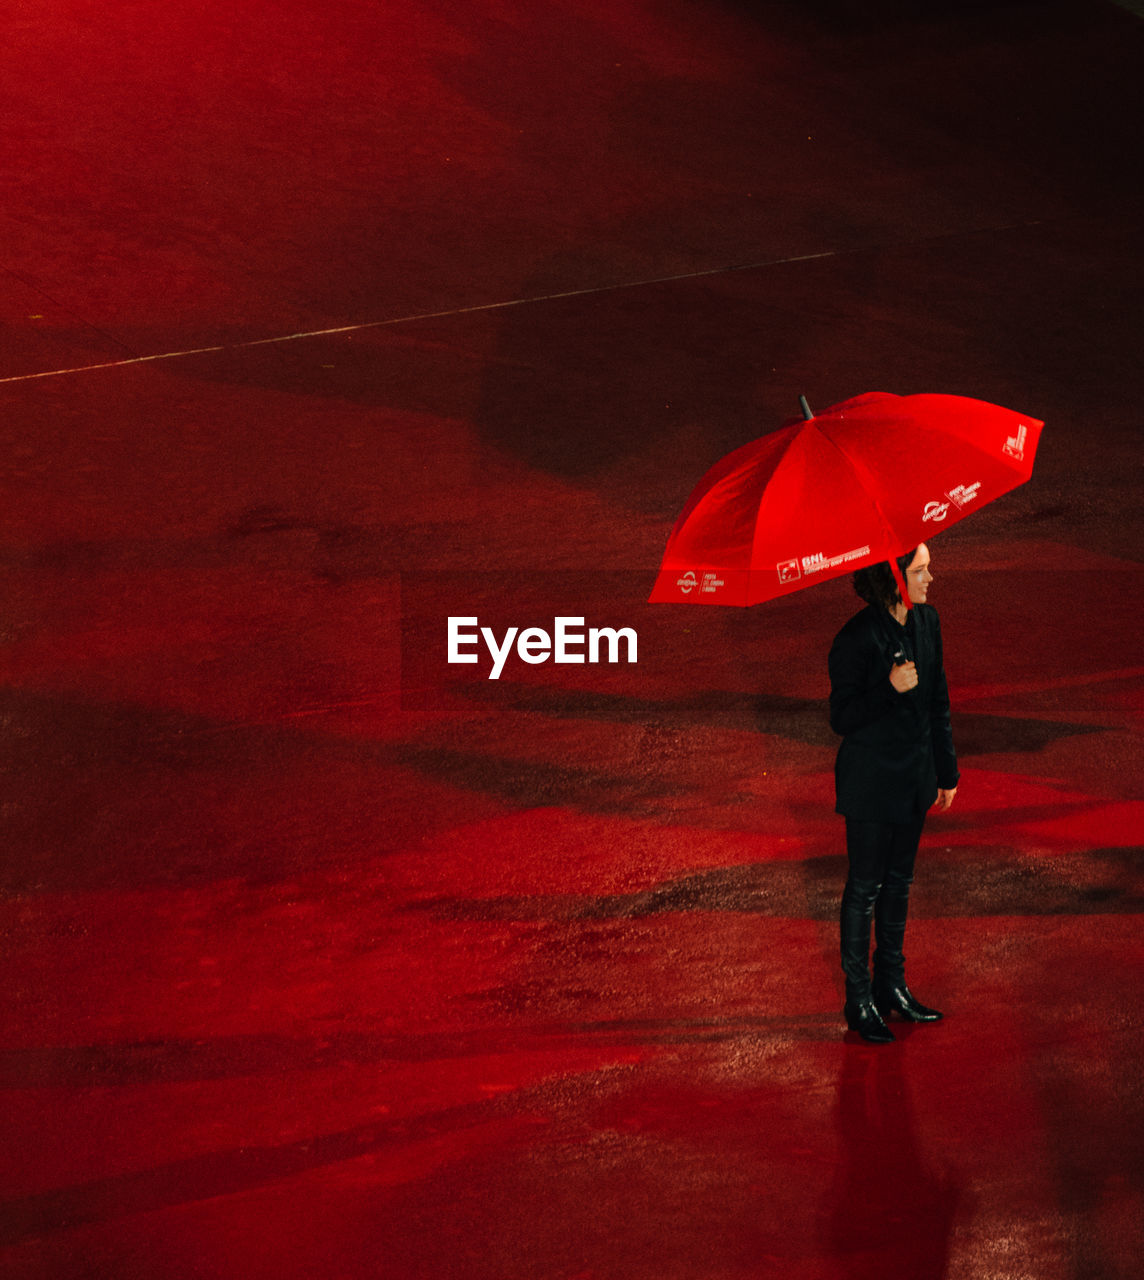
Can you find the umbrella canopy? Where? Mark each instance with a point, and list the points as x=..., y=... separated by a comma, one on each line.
x=862, y=482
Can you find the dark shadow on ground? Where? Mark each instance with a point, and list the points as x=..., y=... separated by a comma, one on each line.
x=1005, y=882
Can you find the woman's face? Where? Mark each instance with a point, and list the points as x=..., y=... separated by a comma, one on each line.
x=918, y=576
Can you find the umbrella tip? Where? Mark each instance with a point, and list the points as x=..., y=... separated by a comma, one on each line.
x=806, y=413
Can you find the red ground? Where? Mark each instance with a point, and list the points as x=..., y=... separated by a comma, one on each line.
x=327, y=959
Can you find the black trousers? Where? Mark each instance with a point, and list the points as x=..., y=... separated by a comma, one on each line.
x=881, y=869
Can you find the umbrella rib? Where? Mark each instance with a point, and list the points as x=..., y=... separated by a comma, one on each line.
x=857, y=465
x=796, y=432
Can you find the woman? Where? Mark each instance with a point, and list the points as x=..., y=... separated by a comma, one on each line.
x=890, y=702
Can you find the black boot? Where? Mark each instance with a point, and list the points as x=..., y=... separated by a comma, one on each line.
x=862, y=1016
x=900, y=1000
x=890, y=993
x=858, y=900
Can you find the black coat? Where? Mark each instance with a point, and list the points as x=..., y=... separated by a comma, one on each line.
x=897, y=748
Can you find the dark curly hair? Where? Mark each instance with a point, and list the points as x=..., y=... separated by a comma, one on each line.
x=876, y=584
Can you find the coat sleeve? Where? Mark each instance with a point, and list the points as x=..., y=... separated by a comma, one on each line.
x=944, y=755
x=860, y=691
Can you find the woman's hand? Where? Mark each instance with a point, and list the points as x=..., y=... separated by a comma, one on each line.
x=945, y=797
x=904, y=677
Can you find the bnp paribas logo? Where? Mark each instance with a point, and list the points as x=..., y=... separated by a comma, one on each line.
x=788, y=571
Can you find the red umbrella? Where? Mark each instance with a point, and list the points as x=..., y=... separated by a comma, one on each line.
x=863, y=482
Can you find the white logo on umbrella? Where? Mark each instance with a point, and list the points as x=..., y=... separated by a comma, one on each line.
x=687, y=582
x=1015, y=445
x=935, y=511
x=964, y=493
x=788, y=571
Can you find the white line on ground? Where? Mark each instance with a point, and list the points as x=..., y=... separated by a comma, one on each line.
x=486, y=306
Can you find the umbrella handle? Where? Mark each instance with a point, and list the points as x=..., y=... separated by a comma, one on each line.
x=899, y=578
